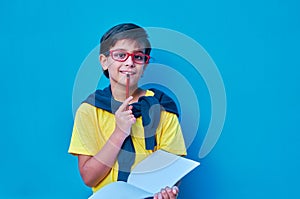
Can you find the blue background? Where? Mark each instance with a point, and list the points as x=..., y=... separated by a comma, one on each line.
x=255, y=45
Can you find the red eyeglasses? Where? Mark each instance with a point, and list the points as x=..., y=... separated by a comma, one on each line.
x=122, y=56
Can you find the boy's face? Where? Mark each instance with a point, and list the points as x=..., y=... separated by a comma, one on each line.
x=119, y=69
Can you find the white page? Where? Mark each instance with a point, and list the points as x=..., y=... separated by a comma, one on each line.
x=159, y=170
x=120, y=190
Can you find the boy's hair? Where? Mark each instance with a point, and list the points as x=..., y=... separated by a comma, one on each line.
x=124, y=31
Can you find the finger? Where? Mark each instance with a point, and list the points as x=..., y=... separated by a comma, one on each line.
x=175, y=190
x=126, y=112
x=130, y=107
x=164, y=194
x=171, y=194
x=123, y=114
x=125, y=104
x=169, y=191
x=131, y=119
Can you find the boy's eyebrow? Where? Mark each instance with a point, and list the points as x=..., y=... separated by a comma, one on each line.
x=120, y=49
x=139, y=50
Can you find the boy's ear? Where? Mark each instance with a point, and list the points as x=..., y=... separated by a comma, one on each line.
x=103, y=61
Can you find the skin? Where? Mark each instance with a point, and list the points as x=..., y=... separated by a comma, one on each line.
x=93, y=169
x=117, y=71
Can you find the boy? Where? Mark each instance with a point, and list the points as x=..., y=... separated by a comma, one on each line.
x=117, y=127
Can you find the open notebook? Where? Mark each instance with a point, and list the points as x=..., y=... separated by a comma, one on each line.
x=158, y=170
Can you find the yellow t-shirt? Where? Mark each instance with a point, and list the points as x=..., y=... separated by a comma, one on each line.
x=93, y=127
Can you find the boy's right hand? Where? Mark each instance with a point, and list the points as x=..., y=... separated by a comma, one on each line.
x=124, y=117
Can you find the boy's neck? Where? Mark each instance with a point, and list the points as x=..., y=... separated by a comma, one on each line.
x=119, y=93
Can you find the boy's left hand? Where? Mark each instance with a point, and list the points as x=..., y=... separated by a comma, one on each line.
x=167, y=193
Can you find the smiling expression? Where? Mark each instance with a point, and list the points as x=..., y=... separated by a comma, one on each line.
x=118, y=70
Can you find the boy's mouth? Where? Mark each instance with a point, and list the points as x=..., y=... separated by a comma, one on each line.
x=127, y=72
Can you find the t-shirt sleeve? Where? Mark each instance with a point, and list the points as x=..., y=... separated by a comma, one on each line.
x=169, y=134
x=84, y=135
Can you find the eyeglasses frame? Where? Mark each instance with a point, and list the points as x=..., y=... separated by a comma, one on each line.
x=129, y=55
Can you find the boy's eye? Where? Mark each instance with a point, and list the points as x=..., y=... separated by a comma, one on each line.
x=138, y=57
x=120, y=55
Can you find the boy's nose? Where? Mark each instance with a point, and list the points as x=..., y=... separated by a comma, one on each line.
x=129, y=61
